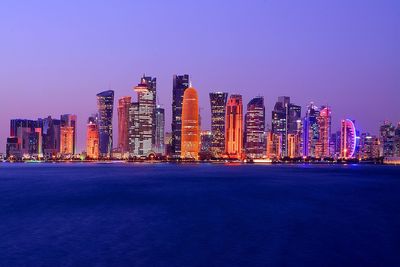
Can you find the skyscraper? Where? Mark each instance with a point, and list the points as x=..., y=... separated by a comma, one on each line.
x=310, y=131
x=159, y=146
x=348, y=139
x=180, y=84
x=284, y=120
x=69, y=120
x=218, y=110
x=67, y=141
x=51, y=136
x=105, y=104
x=234, y=127
x=134, y=136
x=143, y=138
x=124, y=104
x=324, y=121
x=255, y=128
x=190, y=144
x=92, y=138
x=387, y=136
x=397, y=141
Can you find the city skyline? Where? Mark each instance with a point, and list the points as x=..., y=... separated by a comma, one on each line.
x=350, y=63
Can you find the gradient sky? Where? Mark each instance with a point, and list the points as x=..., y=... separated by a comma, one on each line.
x=56, y=55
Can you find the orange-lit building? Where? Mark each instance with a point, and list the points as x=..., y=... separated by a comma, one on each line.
x=190, y=143
x=67, y=140
x=274, y=145
x=234, y=127
x=124, y=104
x=293, y=146
x=92, y=139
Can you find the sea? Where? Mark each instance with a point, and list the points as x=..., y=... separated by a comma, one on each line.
x=165, y=214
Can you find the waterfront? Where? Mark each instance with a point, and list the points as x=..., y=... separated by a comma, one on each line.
x=139, y=214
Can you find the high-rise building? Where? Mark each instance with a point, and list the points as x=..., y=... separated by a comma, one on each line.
x=324, y=120
x=293, y=145
x=92, y=138
x=348, y=139
x=310, y=131
x=206, y=141
x=284, y=120
x=234, y=127
x=124, y=104
x=159, y=146
x=255, y=128
x=387, y=136
x=218, y=110
x=273, y=145
x=67, y=141
x=105, y=104
x=51, y=137
x=69, y=120
x=369, y=146
x=134, y=134
x=190, y=144
x=180, y=84
x=397, y=141
x=143, y=139
x=151, y=83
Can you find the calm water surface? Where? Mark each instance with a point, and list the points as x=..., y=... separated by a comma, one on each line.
x=199, y=215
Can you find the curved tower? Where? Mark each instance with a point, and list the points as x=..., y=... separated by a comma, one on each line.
x=348, y=139
x=190, y=125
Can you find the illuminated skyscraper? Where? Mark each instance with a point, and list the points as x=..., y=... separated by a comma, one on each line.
x=134, y=135
x=397, y=141
x=105, y=104
x=92, y=139
x=180, y=84
x=124, y=104
x=387, y=136
x=218, y=110
x=255, y=128
x=310, y=130
x=274, y=145
x=69, y=120
x=67, y=141
x=293, y=145
x=234, y=127
x=143, y=137
x=324, y=121
x=348, y=139
x=284, y=120
x=51, y=136
x=190, y=125
x=160, y=130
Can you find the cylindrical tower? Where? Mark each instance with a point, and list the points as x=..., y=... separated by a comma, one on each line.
x=190, y=125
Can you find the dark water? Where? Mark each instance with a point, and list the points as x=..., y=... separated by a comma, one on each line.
x=199, y=215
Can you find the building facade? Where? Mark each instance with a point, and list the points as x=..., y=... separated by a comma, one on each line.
x=234, y=127
x=124, y=104
x=180, y=84
x=190, y=125
x=348, y=139
x=218, y=113
x=105, y=105
x=159, y=146
x=254, y=132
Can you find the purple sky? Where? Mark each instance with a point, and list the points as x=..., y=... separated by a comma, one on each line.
x=56, y=55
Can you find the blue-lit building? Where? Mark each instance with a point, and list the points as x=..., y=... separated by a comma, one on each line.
x=105, y=105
